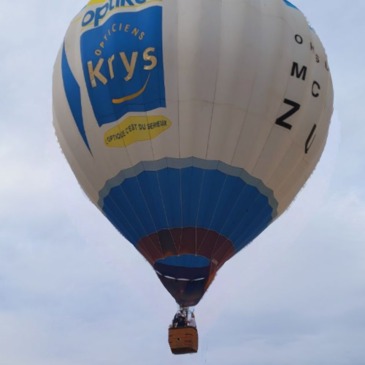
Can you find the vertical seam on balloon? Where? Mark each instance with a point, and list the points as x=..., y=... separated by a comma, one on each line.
x=216, y=80
x=243, y=124
x=153, y=157
x=269, y=131
x=142, y=194
x=225, y=179
x=108, y=163
x=164, y=159
x=244, y=239
x=178, y=70
x=198, y=208
x=168, y=227
x=197, y=246
x=124, y=220
x=177, y=18
x=153, y=172
x=243, y=217
x=213, y=216
x=108, y=166
x=213, y=108
x=237, y=144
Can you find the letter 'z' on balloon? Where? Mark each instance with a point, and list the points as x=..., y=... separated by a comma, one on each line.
x=191, y=124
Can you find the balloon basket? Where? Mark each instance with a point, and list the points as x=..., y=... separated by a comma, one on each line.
x=183, y=340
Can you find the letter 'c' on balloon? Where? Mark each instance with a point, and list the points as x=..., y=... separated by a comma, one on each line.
x=191, y=125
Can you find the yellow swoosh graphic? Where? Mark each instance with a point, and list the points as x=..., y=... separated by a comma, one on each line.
x=132, y=96
x=136, y=129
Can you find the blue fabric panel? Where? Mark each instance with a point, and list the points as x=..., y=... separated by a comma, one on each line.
x=185, y=261
x=170, y=187
x=191, y=185
x=150, y=189
x=229, y=192
x=132, y=189
x=73, y=95
x=188, y=197
x=186, y=293
x=121, y=214
x=212, y=183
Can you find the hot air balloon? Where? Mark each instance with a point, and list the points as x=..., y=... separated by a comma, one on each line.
x=191, y=125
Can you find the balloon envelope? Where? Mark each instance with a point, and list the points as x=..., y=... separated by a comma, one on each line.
x=190, y=124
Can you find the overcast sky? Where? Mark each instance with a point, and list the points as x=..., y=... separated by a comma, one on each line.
x=74, y=292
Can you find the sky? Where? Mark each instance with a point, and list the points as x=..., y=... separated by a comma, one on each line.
x=74, y=292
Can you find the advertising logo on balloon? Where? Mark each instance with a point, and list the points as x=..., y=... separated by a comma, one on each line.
x=96, y=16
x=123, y=62
x=136, y=129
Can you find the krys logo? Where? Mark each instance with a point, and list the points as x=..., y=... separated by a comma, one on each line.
x=123, y=64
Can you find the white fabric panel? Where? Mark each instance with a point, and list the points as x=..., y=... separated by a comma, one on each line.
x=71, y=142
x=198, y=57
x=229, y=66
x=236, y=75
x=266, y=93
x=225, y=133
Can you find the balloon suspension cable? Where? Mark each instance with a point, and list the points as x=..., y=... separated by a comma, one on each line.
x=185, y=310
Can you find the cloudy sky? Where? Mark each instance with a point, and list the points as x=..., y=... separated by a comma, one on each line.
x=73, y=292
